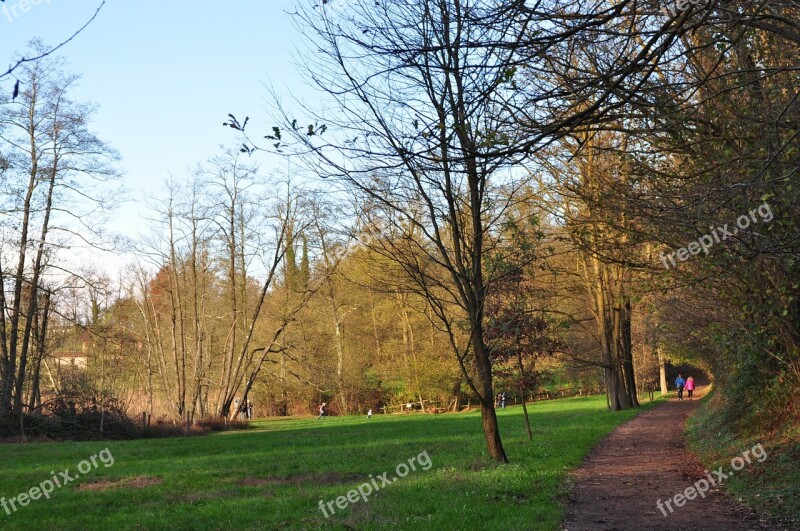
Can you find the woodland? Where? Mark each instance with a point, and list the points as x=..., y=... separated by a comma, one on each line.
x=536, y=198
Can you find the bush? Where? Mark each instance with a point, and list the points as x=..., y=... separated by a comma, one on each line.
x=221, y=424
x=80, y=412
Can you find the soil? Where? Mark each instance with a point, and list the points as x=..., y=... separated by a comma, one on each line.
x=330, y=478
x=137, y=482
x=641, y=462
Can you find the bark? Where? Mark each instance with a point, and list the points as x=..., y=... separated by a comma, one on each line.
x=662, y=370
x=375, y=333
x=6, y=401
x=339, y=343
x=4, y=361
x=456, y=395
x=483, y=369
x=409, y=346
x=176, y=321
x=230, y=376
x=494, y=444
x=521, y=368
x=627, y=356
x=35, y=399
x=33, y=295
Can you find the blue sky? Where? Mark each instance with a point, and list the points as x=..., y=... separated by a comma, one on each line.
x=165, y=75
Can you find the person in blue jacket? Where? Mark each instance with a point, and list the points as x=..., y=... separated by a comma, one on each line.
x=680, y=383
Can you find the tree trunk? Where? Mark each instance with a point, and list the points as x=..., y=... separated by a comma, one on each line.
x=627, y=355
x=33, y=301
x=492, y=432
x=662, y=371
x=337, y=326
x=456, y=395
x=483, y=369
x=10, y=354
x=522, y=394
x=40, y=327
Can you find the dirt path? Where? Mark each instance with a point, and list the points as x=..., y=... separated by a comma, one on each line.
x=641, y=462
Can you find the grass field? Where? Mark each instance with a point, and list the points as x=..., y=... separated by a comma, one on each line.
x=274, y=475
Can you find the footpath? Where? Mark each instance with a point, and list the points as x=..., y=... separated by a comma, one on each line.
x=643, y=461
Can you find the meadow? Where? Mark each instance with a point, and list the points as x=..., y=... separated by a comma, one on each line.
x=282, y=473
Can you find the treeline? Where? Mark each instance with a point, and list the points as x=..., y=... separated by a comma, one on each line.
x=490, y=196
x=253, y=290
x=654, y=147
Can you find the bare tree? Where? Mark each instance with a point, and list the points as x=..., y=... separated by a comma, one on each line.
x=425, y=130
x=52, y=194
x=292, y=213
x=173, y=302
x=238, y=226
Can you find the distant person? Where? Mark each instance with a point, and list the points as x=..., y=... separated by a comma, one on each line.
x=503, y=399
x=322, y=412
x=369, y=413
x=689, y=386
x=680, y=383
x=408, y=407
x=249, y=409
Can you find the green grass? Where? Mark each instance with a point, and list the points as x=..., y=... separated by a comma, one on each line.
x=771, y=486
x=273, y=476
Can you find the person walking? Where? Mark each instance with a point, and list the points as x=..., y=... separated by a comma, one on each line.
x=680, y=383
x=503, y=400
x=689, y=386
x=322, y=410
x=369, y=413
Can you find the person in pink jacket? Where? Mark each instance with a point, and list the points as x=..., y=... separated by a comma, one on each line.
x=690, y=386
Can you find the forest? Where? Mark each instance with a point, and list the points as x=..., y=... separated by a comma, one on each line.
x=533, y=198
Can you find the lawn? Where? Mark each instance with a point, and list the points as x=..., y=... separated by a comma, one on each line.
x=275, y=475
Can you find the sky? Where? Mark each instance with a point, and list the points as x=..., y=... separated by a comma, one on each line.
x=164, y=76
